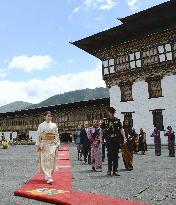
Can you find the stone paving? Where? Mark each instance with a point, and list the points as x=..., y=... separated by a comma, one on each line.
x=153, y=179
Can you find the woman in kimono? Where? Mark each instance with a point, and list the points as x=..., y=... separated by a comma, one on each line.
x=127, y=148
x=95, y=140
x=171, y=141
x=142, y=142
x=47, y=146
x=157, y=141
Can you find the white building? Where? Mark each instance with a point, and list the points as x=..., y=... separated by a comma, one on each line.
x=139, y=67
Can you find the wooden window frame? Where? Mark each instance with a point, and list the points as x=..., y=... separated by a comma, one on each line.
x=165, y=52
x=108, y=66
x=149, y=56
x=149, y=81
x=122, y=91
x=135, y=60
x=124, y=64
x=161, y=126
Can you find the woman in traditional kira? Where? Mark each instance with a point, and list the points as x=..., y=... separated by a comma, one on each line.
x=47, y=146
x=96, y=142
x=127, y=147
x=142, y=142
x=157, y=141
x=134, y=135
x=171, y=141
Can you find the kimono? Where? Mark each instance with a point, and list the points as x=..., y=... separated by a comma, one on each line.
x=157, y=141
x=96, y=155
x=48, y=142
x=142, y=142
x=127, y=151
x=171, y=142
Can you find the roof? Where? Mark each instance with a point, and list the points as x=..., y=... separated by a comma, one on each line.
x=141, y=24
x=51, y=108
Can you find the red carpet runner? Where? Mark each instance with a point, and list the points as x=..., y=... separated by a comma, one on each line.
x=61, y=192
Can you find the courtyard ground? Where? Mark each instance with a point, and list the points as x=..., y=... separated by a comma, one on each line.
x=153, y=179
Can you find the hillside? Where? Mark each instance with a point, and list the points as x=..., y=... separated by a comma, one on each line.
x=11, y=107
x=68, y=97
x=74, y=96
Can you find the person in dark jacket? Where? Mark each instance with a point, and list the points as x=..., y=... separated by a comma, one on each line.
x=85, y=143
x=111, y=129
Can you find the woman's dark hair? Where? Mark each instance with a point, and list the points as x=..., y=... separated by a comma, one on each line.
x=46, y=113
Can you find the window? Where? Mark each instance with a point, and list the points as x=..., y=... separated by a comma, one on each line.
x=126, y=91
x=135, y=61
x=122, y=62
x=128, y=119
x=174, y=50
x=150, y=56
x=165, y=53
x=158, y=119
x=154, y=88
x=108, y=66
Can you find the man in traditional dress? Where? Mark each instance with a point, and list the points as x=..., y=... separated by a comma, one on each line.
x=47, y=146
x=85, y=143
x=112, y=131
x=171, y=141
x=142, y=142
x=96, y=142
x=157, y=141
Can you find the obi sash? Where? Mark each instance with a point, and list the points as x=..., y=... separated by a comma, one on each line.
x=48, y=136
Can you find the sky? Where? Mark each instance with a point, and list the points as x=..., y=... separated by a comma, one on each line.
x=36, y=59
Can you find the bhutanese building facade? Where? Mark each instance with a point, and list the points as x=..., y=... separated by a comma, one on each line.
x=139, y=66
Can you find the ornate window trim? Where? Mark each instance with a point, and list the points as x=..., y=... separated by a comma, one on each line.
x=108, y=66
x=165, y=52
x=157, y=92
x=173, y=45
x=122, y=62
x=126, y=91
x=158, y=118
x=150, y=56
x=135, y=60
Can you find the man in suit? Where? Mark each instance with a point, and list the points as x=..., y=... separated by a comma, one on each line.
x=85, y=143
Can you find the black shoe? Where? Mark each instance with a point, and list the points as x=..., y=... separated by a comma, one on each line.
x=109, y=173
x=93, y=168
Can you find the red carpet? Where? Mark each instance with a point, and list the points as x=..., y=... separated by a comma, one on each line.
x=60, y=192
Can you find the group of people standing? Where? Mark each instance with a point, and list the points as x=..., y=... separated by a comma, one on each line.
x=170, y=134
x=111, y=135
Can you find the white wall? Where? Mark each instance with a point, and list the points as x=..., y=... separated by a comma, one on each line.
x=143, y=118
x=33, y=134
